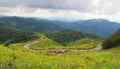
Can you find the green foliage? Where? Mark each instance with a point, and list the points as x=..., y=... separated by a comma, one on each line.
x=68, y=36
x=7, y=42
x=8, y=36
x=16, y=57
x=112, y=41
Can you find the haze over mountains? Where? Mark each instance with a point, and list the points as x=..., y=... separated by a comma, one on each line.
x=100, y=27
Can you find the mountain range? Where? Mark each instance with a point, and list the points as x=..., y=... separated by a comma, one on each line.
x=29, y=24
x=100, y=27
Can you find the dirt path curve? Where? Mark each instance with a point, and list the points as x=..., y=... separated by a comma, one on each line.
x=98, y=47
x=27, y=46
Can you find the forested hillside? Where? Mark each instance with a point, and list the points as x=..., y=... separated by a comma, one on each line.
x=8, y=36
x=68, y=36
x=112, y=41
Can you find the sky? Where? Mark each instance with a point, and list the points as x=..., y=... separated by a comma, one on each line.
x=64, y=9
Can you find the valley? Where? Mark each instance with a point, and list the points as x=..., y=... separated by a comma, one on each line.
x=59, y=34
x=29, y=44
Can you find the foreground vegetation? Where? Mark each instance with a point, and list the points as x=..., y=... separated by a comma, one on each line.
x=16, y=57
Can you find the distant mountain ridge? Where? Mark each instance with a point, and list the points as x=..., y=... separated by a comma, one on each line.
x=100, y=27
x=29, y=24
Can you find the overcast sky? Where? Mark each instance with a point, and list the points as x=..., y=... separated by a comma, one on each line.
x=73, y=9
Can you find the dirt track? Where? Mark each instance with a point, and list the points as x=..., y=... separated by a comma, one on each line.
x=98, y=47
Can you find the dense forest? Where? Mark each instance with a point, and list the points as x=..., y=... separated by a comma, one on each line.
x=68, y=36
x=112, y=41
x=8, y=36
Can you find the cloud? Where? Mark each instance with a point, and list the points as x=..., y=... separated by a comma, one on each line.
x=109, y=7
x=77, y=9
x=91, y=6
x=81, y=5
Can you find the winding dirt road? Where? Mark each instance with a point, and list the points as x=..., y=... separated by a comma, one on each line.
x=27, y=46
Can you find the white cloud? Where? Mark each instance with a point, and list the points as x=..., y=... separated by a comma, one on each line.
x=76, y=9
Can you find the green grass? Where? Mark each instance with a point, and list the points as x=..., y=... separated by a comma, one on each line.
x=48, y=43
x=17, y=57
x=114, y=50
x=23, y=59
x=84, y=43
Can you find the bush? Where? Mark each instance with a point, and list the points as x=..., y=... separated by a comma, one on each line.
x=7, y=43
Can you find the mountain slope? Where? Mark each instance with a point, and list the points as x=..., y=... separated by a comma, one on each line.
x=45, y=43
x=8, y=36
x=112, y=41
x=29, y=24
x=84, y=43
x=97, y=26
x=100, y=27
x=68, y=36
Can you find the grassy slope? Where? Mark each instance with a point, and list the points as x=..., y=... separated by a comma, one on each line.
x=48, y=43
x=114, y=50
x=84, y=43
x=45, y=43
x=17, y=57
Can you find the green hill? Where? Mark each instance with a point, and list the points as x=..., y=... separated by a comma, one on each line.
x=8, y=36
x=29, y=24
x=45, y=43
x=68, y=36
x=112, y=41
x=84, y=43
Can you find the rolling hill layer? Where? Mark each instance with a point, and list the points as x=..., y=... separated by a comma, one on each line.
x=101, y=27
x=8, y=36
x=68, y=36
